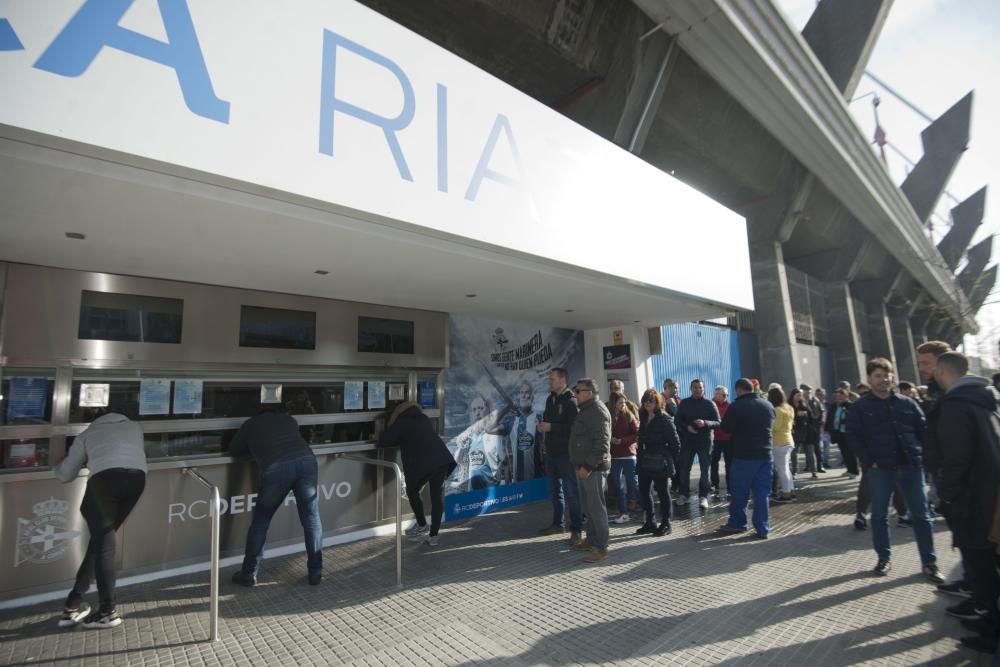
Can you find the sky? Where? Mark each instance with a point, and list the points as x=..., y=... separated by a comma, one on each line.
x=933, y=52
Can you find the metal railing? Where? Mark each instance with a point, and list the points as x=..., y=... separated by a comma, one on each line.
x=213, y=608
x=399, y=505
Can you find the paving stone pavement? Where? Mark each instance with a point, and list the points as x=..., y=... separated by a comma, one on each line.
x=493, y=593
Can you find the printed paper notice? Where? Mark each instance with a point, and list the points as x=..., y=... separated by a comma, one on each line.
x=95, y=395
x=376, y=395
x=187, y=397
x=427, y=392
x=28, y=397
x=354, y=395
x=154, y=397
x=397, y=392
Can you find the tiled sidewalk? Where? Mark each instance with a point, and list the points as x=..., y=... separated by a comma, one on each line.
x=494, y=593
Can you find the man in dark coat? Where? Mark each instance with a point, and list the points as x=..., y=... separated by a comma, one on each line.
x=556, y=424
x=886, y=430
x=969, y=422
x=426, y=460
x=749, y=420
x=696, y=419
x=286, y=464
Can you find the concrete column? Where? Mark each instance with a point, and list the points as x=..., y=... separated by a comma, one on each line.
x=844, y=338
x=773, y=321
x=904, y=346
x=879, y=332
x=918, y=326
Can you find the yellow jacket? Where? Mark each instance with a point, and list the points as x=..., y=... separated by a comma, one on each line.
x=781, y=432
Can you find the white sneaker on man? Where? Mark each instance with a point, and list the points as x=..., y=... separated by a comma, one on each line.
x=623, y=518
x=703, y=503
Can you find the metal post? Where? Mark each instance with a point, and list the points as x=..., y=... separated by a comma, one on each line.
x=399, y=528
x=213, y=604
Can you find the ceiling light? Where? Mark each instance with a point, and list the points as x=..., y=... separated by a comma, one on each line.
x=321, y=272
x=76, y=235
x=636, y=321
x=470, y=296
x=569, y=310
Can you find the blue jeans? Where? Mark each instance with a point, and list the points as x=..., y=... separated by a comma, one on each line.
x=300, y=476
x=563, y=486
x=910, y=480
x=622, y=474
x=703, y=449
x=750, y=475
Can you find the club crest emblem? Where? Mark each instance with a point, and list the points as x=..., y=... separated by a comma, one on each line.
x=47, y=536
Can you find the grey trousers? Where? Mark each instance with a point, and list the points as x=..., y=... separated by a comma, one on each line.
x=593, y=491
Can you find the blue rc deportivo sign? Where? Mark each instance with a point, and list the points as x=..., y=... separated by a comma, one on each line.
x=328, y=100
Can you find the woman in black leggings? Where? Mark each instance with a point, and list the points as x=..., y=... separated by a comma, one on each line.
x=113, y=449
x=659, y=448
x=426, y=461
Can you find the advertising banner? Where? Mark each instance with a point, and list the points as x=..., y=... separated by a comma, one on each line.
x=495, y=391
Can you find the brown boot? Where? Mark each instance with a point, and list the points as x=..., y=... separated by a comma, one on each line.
x=583, y=545
x=552, y=530
x=596, y=556
x=575, y=538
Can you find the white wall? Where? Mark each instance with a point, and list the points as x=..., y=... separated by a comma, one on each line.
x=637, y=379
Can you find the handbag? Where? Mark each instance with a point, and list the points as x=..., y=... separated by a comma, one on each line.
x=655, y=464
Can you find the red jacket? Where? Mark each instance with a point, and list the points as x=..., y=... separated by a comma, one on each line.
x=627, y=432
x=721, y=435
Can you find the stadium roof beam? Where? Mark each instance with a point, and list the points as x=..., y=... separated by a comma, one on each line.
x=751, y=50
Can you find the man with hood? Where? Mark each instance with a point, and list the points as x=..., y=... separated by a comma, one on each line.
x=969, y=422
x=426, y=461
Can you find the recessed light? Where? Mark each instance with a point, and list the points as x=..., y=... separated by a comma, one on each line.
x=321, y=272
x=76, y=235
x=470, y=296
x=569, y=310
x=636, y=321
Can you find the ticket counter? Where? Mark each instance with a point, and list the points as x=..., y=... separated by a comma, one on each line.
x=75, y=341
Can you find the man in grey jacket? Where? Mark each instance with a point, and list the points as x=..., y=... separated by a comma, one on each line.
x=590, y=454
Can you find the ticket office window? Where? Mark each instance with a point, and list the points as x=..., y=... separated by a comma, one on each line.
x=228, y=399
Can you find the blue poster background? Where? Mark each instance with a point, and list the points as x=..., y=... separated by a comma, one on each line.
x=495, y=391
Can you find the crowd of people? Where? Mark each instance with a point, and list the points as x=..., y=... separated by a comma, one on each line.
x=926, y=450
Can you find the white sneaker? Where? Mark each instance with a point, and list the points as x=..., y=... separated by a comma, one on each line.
x=431, y=541
x=623, y=518
x=70, y=617
x=703, y=503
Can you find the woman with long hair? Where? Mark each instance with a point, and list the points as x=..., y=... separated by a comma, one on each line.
x=800, y=433
x=624, y=434
x=658, y=451
x=784, y=443
x=426, y=462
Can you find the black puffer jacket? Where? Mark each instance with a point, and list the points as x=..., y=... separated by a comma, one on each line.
x=421, y=449
x=968, y=421
x=659, y=435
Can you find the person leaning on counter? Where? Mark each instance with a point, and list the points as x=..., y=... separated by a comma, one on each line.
x=286, y=464
x=113, y=449
x=426, y=461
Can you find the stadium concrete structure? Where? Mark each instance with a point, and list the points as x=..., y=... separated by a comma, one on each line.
x=731, y=99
